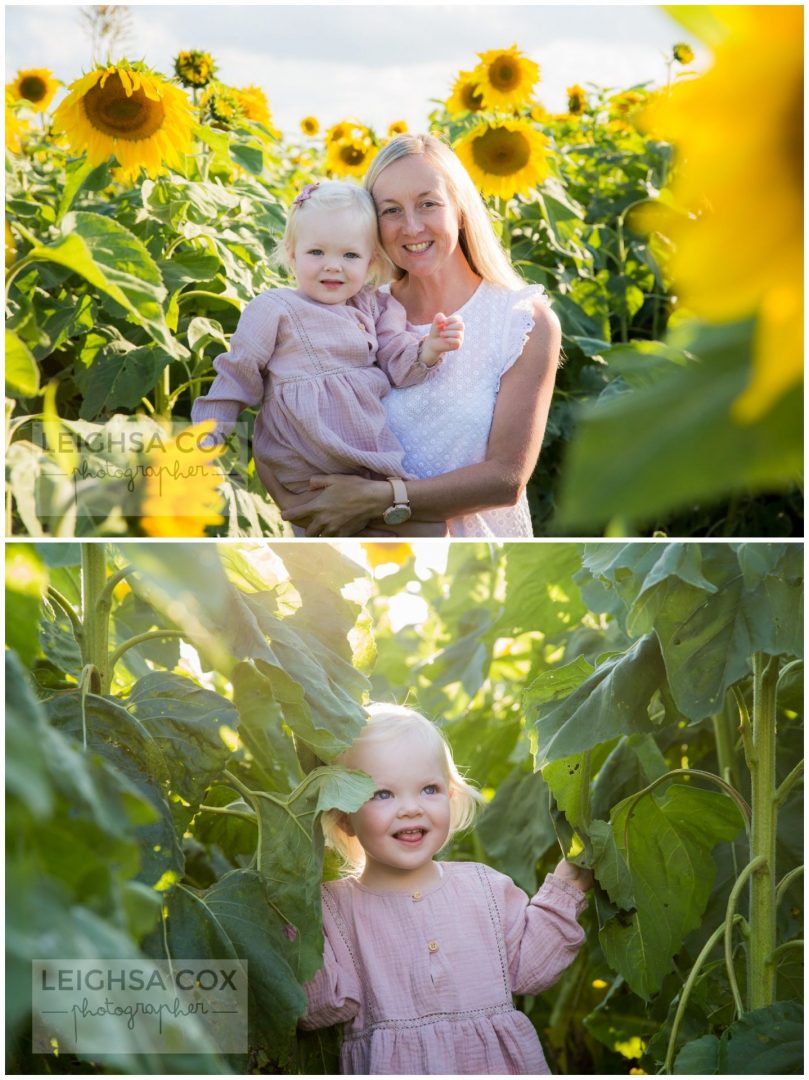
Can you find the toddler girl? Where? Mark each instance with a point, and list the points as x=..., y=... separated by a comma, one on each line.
x=321, y=357
x=421, y=957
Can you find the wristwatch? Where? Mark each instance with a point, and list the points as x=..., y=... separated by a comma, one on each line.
x=400, y=511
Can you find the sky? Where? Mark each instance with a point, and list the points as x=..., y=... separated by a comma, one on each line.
x=376, y=62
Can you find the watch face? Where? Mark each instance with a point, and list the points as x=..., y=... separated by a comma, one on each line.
x=395, y=515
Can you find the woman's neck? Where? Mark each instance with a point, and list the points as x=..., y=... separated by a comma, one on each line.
x=423, y=297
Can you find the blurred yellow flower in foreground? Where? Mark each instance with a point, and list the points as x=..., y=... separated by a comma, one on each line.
x=15, y=128
x=34, y=87
x=464, y=96
x=130, y=113
x=398, y=127
x=738, y=131
x=181, y=484
x=381, y=554
x=505, y=157
x=505, y=79
x=310, y=125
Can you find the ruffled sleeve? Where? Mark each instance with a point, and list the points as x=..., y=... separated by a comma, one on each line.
x=399, y=345
x=239, y=381
x=518, y=323
x=542, y=935
x=333, y=995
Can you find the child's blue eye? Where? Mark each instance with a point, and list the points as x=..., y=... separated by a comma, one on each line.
x=352, y=255
x=384, y=794
x=431, y=789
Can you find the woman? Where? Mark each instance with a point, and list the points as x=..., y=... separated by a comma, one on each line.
x=475, y=429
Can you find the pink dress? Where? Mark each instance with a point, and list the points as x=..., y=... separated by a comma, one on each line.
x=423, y=982
x=320, y=372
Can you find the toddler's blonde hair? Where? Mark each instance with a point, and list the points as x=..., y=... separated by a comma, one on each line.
x=385, y=724
x=336, y=195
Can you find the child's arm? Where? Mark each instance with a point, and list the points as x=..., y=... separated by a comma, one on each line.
x=542, y=934
x=404, y=356
x=333, y=996
x=446, y=335
x=239, y=381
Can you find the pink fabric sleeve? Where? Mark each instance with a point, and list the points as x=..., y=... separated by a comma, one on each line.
x=399, y=348
x=239, y=381
x=543, y=934
x=333, y=995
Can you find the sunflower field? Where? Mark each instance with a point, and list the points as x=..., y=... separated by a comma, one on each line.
x=664, y=223
x=174, y=712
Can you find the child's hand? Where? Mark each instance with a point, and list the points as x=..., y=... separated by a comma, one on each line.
x=446, y=335
x=575, y=875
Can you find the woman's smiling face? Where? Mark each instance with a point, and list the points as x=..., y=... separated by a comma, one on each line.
x=418, y=219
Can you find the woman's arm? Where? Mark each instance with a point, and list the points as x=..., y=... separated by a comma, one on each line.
x=346, y=503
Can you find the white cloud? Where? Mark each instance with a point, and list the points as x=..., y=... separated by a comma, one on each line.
x=379, y=63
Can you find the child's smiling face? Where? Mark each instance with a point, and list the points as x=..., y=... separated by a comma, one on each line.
x=406, y=822
x=332, y=254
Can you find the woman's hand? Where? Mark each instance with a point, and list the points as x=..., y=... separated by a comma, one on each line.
x=342, y=505
x=574, y=875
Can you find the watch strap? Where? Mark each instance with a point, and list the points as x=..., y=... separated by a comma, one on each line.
x=400, y=497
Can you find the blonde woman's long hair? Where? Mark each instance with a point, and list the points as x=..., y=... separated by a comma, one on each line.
x=385, y=724
x=477, y=238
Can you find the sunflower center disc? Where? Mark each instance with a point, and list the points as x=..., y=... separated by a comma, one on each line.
x=351, y=155
x=133, y=118
x=501, y=152
x=505, y=76
x=32, y=88
x=473, y=101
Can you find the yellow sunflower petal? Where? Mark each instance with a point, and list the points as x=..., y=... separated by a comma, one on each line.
x=136, y=117
x=738, y=134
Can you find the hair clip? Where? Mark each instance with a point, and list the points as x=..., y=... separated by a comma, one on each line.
x=305, y=194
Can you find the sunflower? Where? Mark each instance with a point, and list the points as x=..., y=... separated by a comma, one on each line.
x=398, y=127
x=504, y=157
x=347, y=129
x=682, y=53
x=505, y=78
x=128, y=112
x=738, y=131
x=16, y=128
x=576, y=99
x=178, y=477
x=464, y=97
x=220, y=105
x=254, y=105
x=310, y=125
x=384, y=554
x=194, y=68
x=350, y=157
x=34, y=87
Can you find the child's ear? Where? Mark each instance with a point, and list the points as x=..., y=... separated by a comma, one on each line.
x=345, y=825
